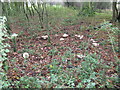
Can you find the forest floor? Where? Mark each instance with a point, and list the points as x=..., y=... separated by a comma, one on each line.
x=56, y=56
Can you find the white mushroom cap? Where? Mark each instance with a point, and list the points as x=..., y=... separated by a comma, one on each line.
x=92, y=40
x=79, y=36
x=65, y=35
x=80, y=56
x=45, y=37
x=95, y=44
x=14, y=35
x=61, y=39
x=26, y=55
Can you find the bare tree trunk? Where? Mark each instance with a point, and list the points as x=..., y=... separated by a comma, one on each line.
x=115, y=11
x=118, y=17
x=24, y=10
x=1, y=8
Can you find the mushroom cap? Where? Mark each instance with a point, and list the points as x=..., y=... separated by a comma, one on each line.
x=25, y=55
